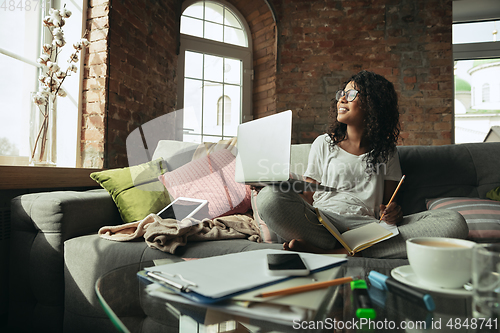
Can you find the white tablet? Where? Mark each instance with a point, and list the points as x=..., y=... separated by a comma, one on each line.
x=182, y=208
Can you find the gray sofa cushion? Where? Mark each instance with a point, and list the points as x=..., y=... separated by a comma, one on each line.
x=86, y=259
x=466, y=170
x=41, y=223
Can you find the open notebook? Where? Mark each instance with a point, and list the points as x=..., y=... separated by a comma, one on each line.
x=358, y=239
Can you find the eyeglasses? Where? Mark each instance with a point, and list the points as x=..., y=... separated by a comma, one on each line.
x=349, y=94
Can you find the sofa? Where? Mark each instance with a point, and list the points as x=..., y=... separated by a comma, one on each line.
x=57, y=255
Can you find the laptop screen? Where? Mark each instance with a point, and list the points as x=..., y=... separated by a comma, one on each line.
x=264, y=149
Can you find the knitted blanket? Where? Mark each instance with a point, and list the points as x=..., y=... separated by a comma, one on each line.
x=168, y=234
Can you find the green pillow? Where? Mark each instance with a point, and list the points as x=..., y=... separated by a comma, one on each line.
x=136, y=190
x=494, y=194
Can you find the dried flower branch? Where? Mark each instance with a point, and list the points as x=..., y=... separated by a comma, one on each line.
x=53, y=77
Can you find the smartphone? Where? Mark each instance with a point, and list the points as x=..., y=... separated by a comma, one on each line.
x=182, y=208
x=286, y=264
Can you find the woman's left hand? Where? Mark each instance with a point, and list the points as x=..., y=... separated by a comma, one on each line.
x=393, y=214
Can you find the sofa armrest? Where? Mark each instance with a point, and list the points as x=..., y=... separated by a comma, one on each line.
x=68, y=213
x=40, y=224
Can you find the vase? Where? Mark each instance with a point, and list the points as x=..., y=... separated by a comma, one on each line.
x=43, y=134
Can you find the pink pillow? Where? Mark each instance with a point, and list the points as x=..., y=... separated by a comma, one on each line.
x=210, y=178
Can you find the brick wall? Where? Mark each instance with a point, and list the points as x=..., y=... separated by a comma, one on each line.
x=300, y=60
x=322, y=43
x=143, y=66
x=261, y=21
x=131, y=76
x=94, y=106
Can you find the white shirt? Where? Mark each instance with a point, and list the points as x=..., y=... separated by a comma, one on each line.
x=357, y=192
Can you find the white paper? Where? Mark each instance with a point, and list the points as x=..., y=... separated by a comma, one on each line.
x=390, y=227
x=224, y=275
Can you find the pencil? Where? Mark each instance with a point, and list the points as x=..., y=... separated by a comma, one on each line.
x=394, y=194
x=307, y=287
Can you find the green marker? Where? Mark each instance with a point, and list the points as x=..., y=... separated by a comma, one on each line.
x=361, y=300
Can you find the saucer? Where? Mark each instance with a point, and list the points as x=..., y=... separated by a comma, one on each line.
x=405, y=274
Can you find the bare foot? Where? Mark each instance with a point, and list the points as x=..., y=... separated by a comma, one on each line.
x=300, y=245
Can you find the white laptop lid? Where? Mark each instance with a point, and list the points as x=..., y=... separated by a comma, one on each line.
x=264, y=149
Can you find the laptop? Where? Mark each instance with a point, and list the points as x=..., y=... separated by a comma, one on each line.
x=264, y=150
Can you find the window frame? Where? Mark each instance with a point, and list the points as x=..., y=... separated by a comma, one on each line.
x=24, y=160
x=223, y=117
x=485, y=93
x=468, y=12
x=13, y=175
x=43, y=36
x=219, y=49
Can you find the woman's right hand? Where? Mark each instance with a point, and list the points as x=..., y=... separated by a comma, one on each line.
x=392, y=214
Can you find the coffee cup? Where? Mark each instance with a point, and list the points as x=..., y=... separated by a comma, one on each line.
x=440, y=262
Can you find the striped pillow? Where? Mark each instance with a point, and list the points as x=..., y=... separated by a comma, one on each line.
x=482, y=216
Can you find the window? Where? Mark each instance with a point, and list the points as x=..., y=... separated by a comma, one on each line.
x=476, y=51
x=224, y=111
x=486, y=93
x=215, y=60
x=475, y=32
x=215, y=21
x=21, y=37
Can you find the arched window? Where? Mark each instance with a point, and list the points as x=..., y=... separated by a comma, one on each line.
x=224, y=111
x=215, y=70
x=486, y=93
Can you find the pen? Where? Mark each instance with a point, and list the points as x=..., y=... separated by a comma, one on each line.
x=394, y=194
x=361, y=300
x=307, y=287
x=381, y=281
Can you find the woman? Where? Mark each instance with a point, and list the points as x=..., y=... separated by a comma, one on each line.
x=358, y=157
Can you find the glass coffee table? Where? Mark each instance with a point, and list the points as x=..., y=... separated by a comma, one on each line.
x=124, y=298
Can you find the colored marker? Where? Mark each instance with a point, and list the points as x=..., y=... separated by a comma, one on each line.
x=383, y=282
x=361, y=300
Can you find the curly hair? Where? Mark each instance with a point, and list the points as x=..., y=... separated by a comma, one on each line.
x=379, y=100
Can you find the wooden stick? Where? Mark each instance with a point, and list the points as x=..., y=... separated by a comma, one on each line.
x=307, y=287
x=394, y=194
